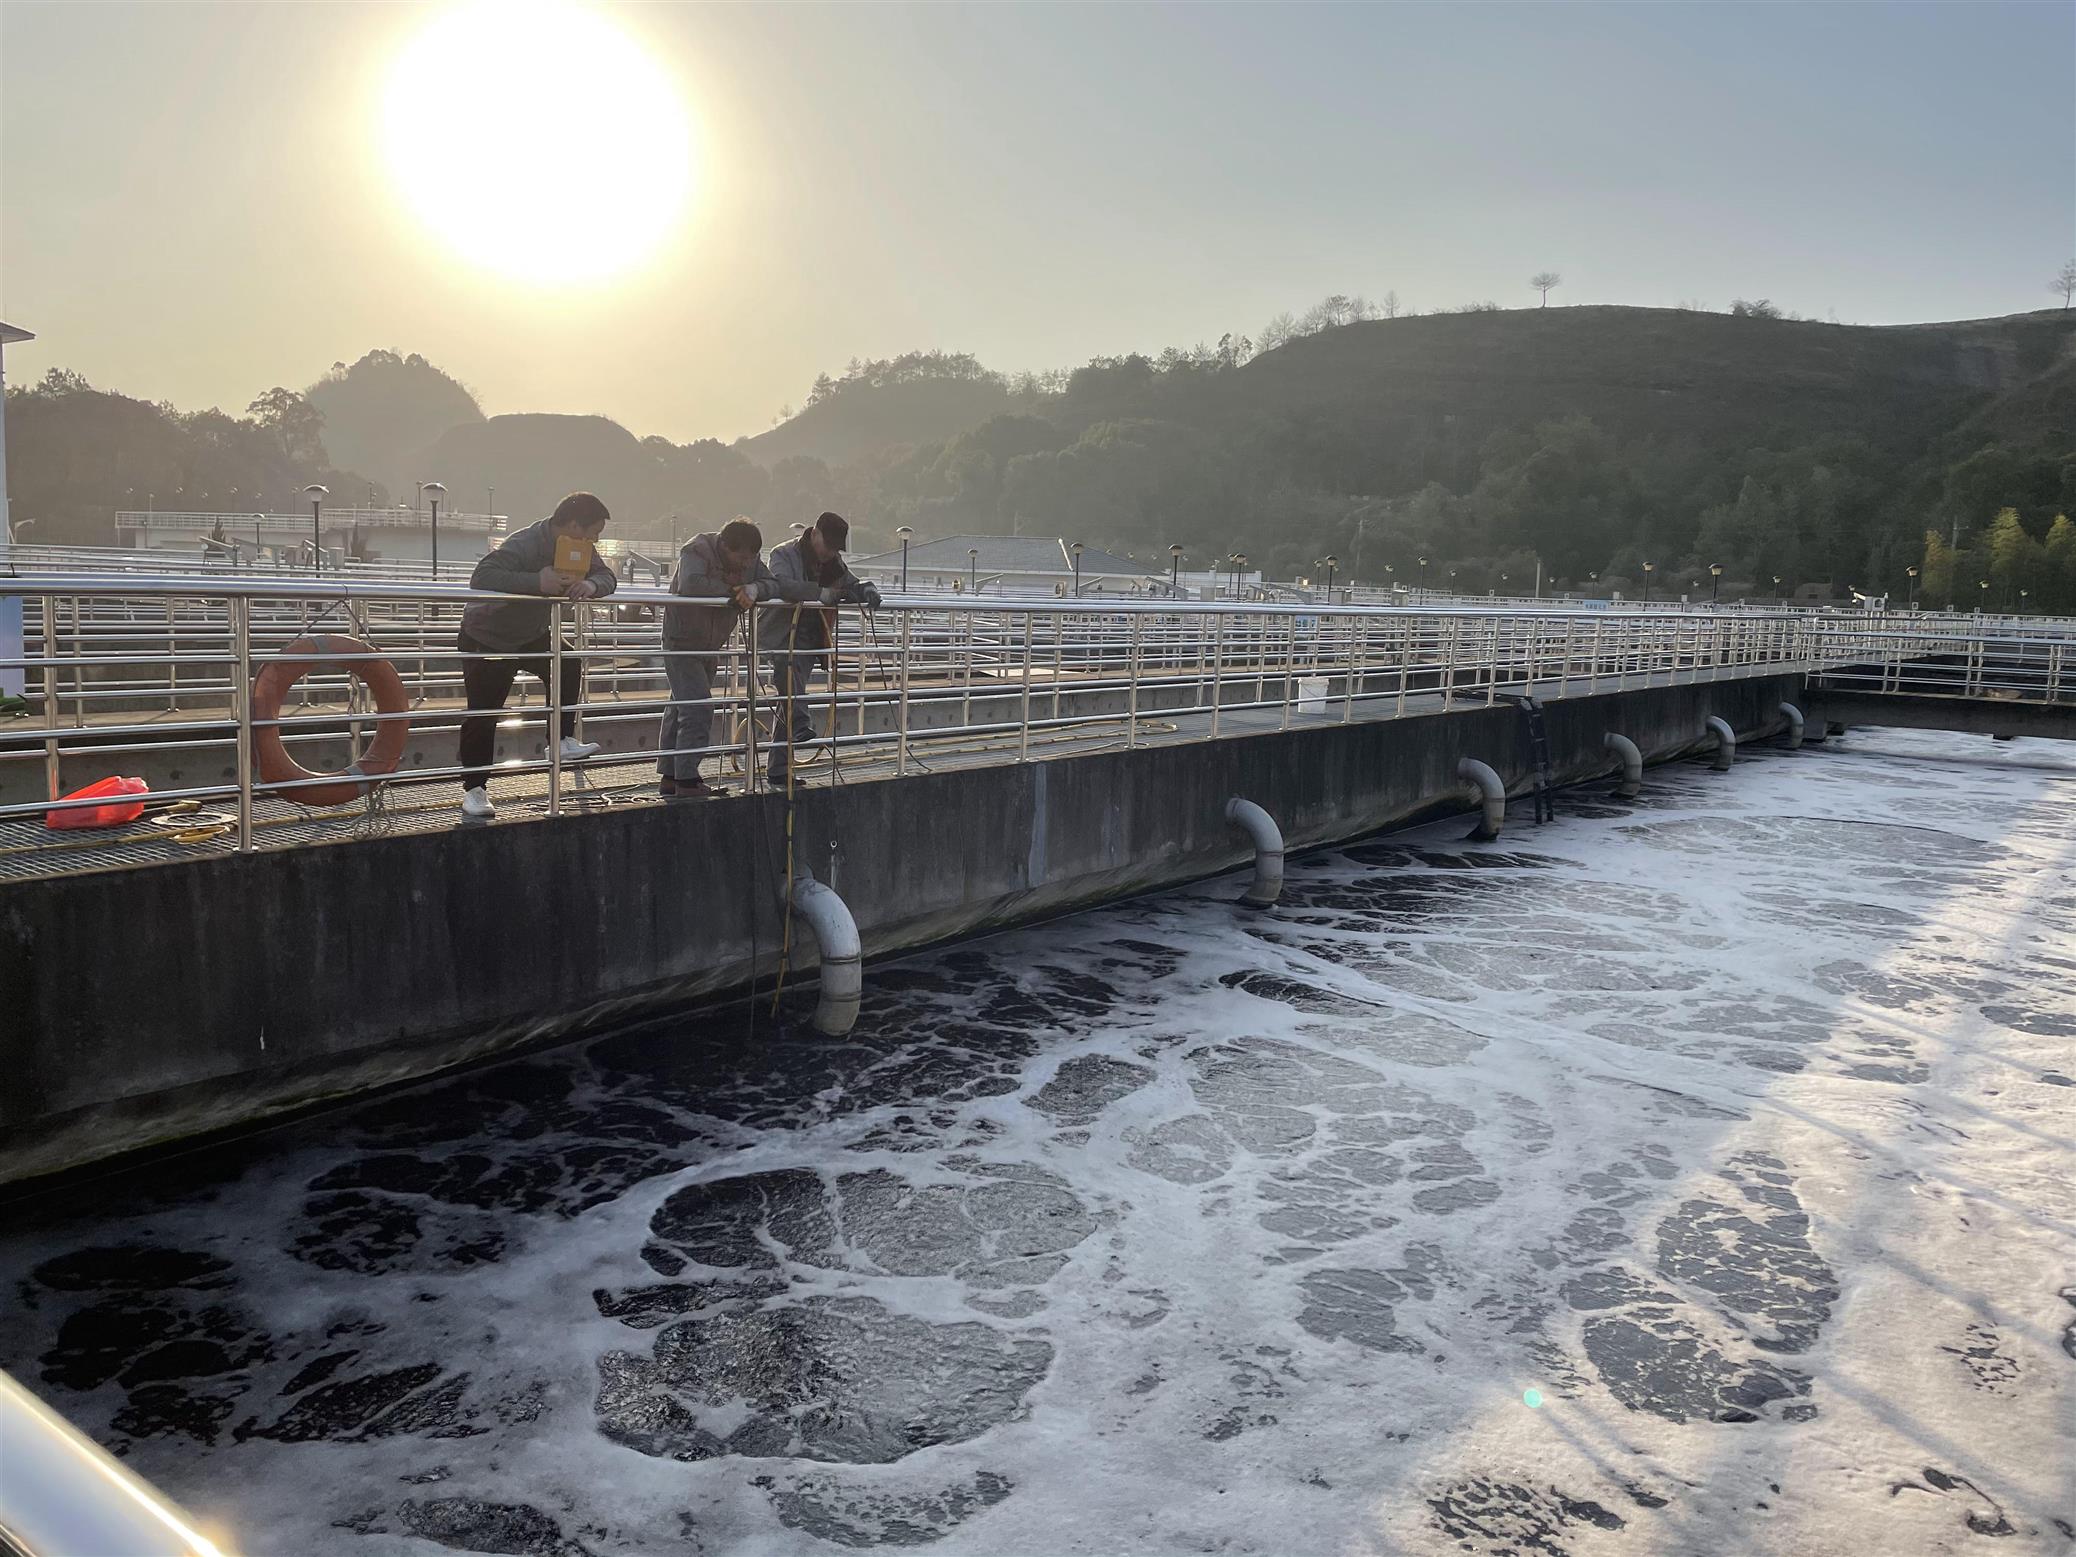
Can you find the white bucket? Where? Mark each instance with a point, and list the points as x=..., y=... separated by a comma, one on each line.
x=1311, y=698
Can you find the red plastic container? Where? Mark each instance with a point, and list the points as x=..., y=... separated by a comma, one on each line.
x=116, y=814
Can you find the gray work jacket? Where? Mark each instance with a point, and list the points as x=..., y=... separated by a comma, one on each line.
x=703, y=575
x=800, y=624
x=515, y=569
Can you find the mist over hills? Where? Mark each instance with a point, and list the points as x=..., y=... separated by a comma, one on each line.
x=1591, y=438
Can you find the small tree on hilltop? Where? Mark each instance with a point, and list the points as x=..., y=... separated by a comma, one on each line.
x=1543, y=280
x=2065, y=283
x=2060, y=553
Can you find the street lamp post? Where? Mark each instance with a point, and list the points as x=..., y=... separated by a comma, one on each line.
x=1912, y=572
x=972, y=570
x=1715, y=581
x=317, y=495
x=258, y=520
x=1075, y=550
x=1776, y=589
x=435, y=491
x=1423, y=575
x=904, y=532
x=1331, y=564
x=1648, y=568
x=1239, y=567
x=1175, y=571
x=1982, y=594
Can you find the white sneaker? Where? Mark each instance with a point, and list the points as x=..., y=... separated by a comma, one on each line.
x=476, y=806
x=574, y=750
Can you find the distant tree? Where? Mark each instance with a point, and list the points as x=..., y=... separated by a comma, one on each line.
x=1543, y=280
x=2065, y=283
x=1277, y=331
x=1333, y=312
x=1754, y=308
x=2060, y=554
x=63, y=381
x=1389, y=306
x=1938, y=568
x=294, y=420
x=2014, y=556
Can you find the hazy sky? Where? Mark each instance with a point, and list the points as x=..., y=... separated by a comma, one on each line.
x=195, y=203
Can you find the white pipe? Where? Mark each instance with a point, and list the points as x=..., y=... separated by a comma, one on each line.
x=1793, y=715
x=1267, y=838
x=842, y=955
x=63, y=1495
x=1492, y=796
x=1632, y=764
x=1726, y=742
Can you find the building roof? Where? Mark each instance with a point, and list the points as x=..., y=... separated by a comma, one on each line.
x=9, y=334
x=1007, y=554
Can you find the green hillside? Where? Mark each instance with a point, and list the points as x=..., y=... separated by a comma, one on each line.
x=1584, y=441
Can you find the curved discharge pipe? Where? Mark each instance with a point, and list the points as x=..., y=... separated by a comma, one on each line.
x=1793, y=715
x=1726, y=742
x=1492, y=796
x=842, y=955
x=1267, y=838
x=1632, y=764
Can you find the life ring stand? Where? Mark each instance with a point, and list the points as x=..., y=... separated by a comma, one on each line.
x=271, y=688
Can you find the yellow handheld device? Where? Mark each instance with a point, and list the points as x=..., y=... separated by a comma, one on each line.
x=572, y=555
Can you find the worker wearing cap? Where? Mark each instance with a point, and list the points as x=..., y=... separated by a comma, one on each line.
x=811, y=581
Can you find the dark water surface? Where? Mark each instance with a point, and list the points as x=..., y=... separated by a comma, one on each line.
x=1690, y=1175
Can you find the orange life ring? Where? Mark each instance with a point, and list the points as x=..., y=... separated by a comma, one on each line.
x=271, y=687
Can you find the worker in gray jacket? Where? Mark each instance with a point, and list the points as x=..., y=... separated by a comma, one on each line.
x=811, y=579
x=500, y=638
x=725, y=570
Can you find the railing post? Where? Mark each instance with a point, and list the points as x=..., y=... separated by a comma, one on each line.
x=749, y=682
x=1492, y=673
x=241, y=701
x=1132, y=683
x=966, y=695
x=51, y=762
x=1448, y=659
x=172, y=659
x=901, y=743
x=1217, y=669
x=1023, y=738
x=1406, y=659
x=555, y=707
x=1358, y=653
x=1289, y=670
x=1059, y=639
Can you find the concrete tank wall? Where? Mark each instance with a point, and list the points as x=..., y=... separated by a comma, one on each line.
x=153, y=1003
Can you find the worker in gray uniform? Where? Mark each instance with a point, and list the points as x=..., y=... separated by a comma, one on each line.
x=810, y=580
x=727, y=576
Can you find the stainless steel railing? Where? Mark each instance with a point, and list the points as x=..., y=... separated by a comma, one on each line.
x=63, y=1495
x=118, y=667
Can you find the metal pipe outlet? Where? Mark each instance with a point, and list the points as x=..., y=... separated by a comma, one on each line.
x=1267, y=838
x=1492, y=796
x=842, y=955
x=1793, y=715
x=1632, y=764
x=1726, y=742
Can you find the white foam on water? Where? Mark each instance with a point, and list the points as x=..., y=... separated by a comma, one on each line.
x=1725, y=1121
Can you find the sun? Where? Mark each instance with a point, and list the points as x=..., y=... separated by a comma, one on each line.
x=538, y=140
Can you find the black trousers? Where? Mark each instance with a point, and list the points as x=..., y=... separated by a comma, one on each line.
x=489, y=682
x=793, y=674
